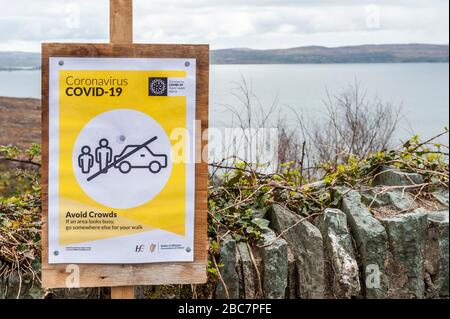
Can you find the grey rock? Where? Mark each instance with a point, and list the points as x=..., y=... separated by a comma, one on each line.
x=441, y=217
x=402, y=201
x=407, y=234
x=306, y=243
x=371, y=241
x=273, y=253
x=371, y=198
x=229, y=271
x=293, y=279
x=437, y=253
x=342, y=267
x=392, y=176
x=376, y=197
x=249, y=278
x=442, y=196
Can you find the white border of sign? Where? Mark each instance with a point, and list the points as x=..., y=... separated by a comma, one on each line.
x=102, y=249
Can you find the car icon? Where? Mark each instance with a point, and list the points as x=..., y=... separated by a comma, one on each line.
x=143, y=158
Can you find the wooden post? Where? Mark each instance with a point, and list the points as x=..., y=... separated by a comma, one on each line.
x=121, y=31
x=124, y=292
x=121, y=21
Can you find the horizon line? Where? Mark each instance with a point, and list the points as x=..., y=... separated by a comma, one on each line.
x=254, y=49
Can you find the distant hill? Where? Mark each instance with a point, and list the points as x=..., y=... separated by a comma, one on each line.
x=392, y=53
x=19, y=60
x=386, y=53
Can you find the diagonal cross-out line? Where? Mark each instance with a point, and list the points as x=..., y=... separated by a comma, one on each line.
x=105, y=169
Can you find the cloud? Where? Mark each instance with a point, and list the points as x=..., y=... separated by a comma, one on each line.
x=48, y=20
x=283, y=26
x=231, y=23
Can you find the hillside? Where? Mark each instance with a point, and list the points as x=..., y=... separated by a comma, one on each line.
x=388, y=53
x=400, y=53
x=20, y=121
x=19, y=60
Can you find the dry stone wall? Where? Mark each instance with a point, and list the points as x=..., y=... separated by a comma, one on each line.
x=379, y=243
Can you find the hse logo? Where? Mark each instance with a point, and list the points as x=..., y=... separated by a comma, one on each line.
x=157, y=86
x=141, y=248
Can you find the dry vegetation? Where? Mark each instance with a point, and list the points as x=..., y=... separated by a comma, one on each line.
x=20, y=121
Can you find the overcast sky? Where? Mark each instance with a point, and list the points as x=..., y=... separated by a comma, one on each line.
x=258, y=24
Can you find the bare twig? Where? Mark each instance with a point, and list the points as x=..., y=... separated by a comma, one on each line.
x=225, y=287
x=22, y=161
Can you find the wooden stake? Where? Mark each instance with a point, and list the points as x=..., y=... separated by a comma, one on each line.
x=121, y=21
x=121, y=31
x=124, y=292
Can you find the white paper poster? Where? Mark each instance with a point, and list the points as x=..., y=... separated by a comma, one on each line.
x=121, y=167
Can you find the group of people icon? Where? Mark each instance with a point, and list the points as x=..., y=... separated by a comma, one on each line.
x=103, y=156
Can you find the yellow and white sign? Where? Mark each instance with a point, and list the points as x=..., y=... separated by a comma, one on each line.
x=121, y=166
